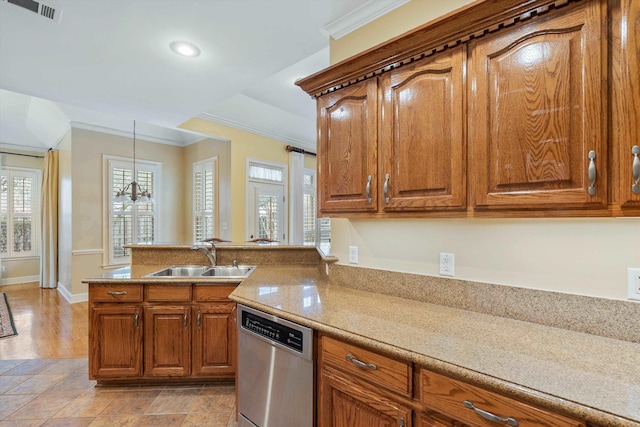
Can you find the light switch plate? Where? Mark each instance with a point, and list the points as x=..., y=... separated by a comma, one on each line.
x=353, y=254
x=633, y=283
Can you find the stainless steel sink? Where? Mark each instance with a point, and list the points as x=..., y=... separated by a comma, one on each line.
x=179, y=271
x=226, y=271
x=230, y=271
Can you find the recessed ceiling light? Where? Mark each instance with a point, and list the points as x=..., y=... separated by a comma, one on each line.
x=185, y=49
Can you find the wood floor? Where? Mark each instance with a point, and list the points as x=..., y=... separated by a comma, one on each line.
x=48, y=326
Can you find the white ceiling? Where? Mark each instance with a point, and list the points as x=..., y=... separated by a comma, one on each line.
x=108, y=62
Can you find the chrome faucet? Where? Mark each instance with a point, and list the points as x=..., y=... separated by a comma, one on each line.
x=210, y=253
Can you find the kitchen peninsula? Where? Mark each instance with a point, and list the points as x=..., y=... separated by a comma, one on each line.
x=564, y=377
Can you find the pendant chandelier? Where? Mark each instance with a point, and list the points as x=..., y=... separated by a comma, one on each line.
x=133, y=193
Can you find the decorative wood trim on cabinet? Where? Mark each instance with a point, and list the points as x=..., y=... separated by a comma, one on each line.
x=467, y=23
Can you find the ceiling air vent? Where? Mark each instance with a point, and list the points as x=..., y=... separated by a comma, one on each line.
x=41, y=8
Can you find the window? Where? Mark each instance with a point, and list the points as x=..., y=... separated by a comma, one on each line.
x=130, y=222
x=19, y=212
x=204, y=199
x=266, y=214
x=309, y=206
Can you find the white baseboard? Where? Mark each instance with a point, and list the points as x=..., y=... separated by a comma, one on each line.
x=18, y=280
x=72, y=298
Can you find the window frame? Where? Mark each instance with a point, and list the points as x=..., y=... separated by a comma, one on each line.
x=36, y=175
x=311, y=191
x=248, y=199
x=203, y=166
x=109, y=163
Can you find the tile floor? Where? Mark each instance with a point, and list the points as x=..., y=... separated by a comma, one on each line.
x=57, y=392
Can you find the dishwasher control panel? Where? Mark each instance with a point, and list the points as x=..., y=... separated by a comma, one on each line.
x=273, y=331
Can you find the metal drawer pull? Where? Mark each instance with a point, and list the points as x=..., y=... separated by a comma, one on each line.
x=184, y=321
x=135, y=320
x=635, y=150
x=386, y=188
x=592, y=173
x=401, y=422
x=199, y=317
x=369, y=200
x=489, y=416
x=360, y=364
x=116, y=293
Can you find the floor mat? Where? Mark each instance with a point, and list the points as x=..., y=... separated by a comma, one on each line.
x=7, y=328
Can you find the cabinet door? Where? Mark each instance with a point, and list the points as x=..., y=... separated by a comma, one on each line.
x=422, y=162
x=347, y=144
x=214, y=345
x=625, y=93
x=343, y=404
x=167, y=341
x=115, y=342
x=434, y=419
x=537, y=112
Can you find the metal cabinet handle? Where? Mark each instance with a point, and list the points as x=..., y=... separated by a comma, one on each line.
x=635, y=169
x=360, y=364
x=116, y=293
x=369, y=200
x=184, y=321
x=234, y=314
x=592, y=173
x=136, y=320
x=489, y=416
x=199, y=317
x=401, y=422
x=386, y=188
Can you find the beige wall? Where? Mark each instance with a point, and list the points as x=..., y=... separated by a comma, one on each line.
x=579, y=256
x=202, y=150
x=88, y=204
x=243, y=145
x=18, y=269
x=406, y=17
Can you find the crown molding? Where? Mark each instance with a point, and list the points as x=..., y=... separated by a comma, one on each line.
x=7, y=146
x=129, y=134
x=258, y=131
x=360, y=17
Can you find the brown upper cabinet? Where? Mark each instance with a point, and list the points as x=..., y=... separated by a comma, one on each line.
x=625, y=105
x=510, y=108
x=347, y=149
x=537, y=135
x=422, y=134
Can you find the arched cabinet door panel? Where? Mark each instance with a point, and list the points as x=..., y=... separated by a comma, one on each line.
x=537, y=128
x=347, y=149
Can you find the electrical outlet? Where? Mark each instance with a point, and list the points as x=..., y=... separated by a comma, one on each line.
x=353, y=254
x=633, y=283
x=447, y=264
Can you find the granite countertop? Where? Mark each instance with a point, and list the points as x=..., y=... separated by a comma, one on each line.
x=590, y=377
x=136, y=274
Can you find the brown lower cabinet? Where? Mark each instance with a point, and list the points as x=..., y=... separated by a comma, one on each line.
x=362, y=387
x=158, y=332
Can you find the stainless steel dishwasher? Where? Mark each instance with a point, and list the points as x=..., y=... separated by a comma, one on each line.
x=275, y=371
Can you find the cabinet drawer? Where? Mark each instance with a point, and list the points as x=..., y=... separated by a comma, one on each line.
x=447, y=396
x=115, y=293
x=213, y=292
x=380, y=370
x=158, y=293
